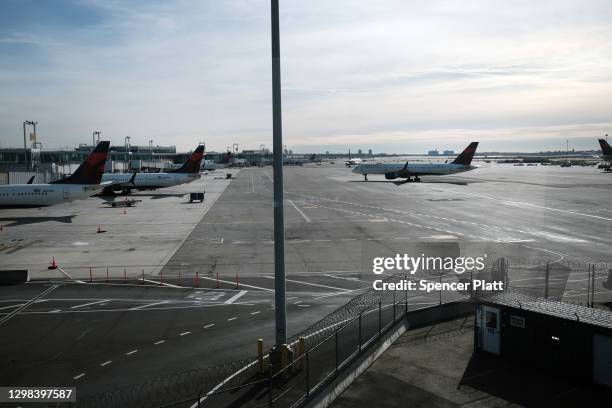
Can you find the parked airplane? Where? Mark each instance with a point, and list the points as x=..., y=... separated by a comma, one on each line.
x=298, y=161
x=352, y=161
x=606, y=150
x=83, y=183
x=126, y=182
x=395, y=170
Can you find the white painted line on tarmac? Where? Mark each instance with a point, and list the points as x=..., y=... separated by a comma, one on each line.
x=299, y=211
x=235, y=297
x=241, y=284
x=159, y=342
x=310, y=284
x=209, y=325
x=129, y=353
x=161, y=283
x=106, y=363
x=231, y=318
x=89, y=304
x=148, y=304
x=303, y=305
x=254, y=313
x=184, y=333
x=55, y=311
x=11, y=306
x=76, y=377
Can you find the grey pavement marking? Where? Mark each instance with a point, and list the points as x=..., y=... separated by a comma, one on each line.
x=76, y=377
x=28, y=303
x=231, y=318
x=11, y=306
x=106, y=363
x=159, y=342
x=209, y=325
x=184, y=333
x=129, y=353
x=254, y=313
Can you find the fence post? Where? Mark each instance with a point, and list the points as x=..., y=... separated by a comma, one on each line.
x=379, y=318
x=393, y=306
x=307, y=374
x=592, y=286
x=301, y=348
x=161, y=278
x=106, y=275
x=143, y=276
x=199, y=397
x=90, y=276
x=360, y=313
x=124, y=276
x=260, y=353
x=547, y=279
x=406, y=299
x=180, y=278
x=440, y=287
x=336, y=336
x=270, y=399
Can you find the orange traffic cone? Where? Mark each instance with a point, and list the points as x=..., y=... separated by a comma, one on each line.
x=53, y=264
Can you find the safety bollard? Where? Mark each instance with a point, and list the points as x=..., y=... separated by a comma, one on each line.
x=124, y=276
x=106, y=275
x=143, y=276
x=90, y=276
x=180, y=278
x=237, y=282
x=197, y=280
x=217, y=280
x=260, y=356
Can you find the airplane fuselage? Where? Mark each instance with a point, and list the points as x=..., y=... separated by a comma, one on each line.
x=395, y=170
x=152, y=180
x=45, y=194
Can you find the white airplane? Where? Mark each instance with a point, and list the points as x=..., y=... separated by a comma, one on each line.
x=83, y=183
x=395, y=170
x=126, y=182
x=352, y=161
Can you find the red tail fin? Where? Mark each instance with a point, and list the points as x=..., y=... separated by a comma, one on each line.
x=192, y=165
x=91, y=170
x=467, y=155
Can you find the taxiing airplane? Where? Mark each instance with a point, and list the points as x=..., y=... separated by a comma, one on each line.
x=394, y=170
x=352, y=161
x=83, y=183
x=298, y=161
x=126, y=182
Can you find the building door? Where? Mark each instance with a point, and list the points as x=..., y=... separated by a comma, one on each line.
x=491, y=334
x=602, y=360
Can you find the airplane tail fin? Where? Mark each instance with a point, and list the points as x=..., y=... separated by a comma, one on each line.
x=312, y=158
x=467, y=155
x=606, y=149
x=192, y=165
x=91, y=170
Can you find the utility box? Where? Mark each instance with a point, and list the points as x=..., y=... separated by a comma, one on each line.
x=228, y=176
x=196, y=197
x=547, y=335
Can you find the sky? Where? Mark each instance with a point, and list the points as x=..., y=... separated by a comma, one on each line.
x=391, y=76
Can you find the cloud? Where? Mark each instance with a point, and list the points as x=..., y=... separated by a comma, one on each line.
x=191, y=71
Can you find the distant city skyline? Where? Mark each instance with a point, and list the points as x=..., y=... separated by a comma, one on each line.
x=390, y=76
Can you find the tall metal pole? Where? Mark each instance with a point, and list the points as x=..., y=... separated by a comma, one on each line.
x=25, y=148
x=279, y=223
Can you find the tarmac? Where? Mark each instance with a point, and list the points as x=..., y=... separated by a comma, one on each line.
x=191, y=285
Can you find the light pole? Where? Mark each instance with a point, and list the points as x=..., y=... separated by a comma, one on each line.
x=95, y=133
x=127, y=149
x=25, y=145
x=280, y=310
x=151, y=150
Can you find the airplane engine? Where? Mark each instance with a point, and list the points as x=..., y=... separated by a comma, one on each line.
x=391, y=176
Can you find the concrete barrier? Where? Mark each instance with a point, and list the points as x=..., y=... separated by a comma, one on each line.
x=14, y=276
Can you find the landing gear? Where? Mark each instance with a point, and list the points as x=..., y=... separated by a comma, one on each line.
x=365, y=177
x=417, y=179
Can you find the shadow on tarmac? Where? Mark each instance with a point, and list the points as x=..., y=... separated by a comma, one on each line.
x=66, y=219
